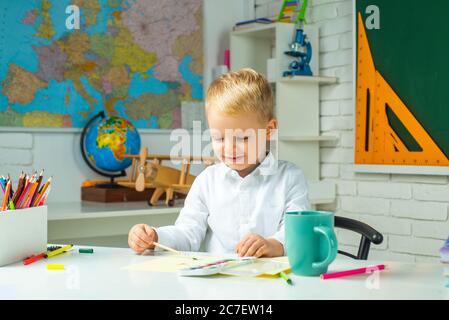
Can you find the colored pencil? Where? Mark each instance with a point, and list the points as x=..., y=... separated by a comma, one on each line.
x=166, y=248
x=353, y=272
x=19, y=188
x=22, y=195
x=44, y=198
x=39, y=181
x=31, y=192
x=59, y=251
x=6, y=197
x=42, y=192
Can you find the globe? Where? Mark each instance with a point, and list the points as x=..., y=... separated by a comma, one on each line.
x=105, y=142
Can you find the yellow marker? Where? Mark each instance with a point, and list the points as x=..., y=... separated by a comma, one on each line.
x=59, y=251
x=55, y=267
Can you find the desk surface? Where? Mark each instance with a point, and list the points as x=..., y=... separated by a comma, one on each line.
x=102, y=276
x=89, y=210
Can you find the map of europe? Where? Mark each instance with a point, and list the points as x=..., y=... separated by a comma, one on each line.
x=136, y=59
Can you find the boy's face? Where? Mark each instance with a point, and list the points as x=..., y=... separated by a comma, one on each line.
x=239, y=141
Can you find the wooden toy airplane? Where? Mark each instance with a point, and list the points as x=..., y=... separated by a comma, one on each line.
x=168, y=180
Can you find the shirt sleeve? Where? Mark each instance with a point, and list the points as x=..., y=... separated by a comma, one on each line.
x=190, y=227
x=297, y=199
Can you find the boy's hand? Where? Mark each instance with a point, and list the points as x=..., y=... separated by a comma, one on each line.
x=258, y=246
x=141, y=237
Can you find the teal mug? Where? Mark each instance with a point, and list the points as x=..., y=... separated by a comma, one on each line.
x=310, y=241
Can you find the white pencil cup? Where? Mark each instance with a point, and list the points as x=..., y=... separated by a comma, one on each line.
x=23, y=233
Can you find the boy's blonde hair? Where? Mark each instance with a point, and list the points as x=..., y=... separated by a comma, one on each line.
x=244, y=91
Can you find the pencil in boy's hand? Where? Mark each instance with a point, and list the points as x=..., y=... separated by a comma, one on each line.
x=170, y=249
x=166, y=248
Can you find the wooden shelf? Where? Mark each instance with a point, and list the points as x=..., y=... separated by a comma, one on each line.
x=307, y=138
x=309, y=79
x=267, y=31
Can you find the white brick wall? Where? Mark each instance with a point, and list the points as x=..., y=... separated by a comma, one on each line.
x=15, y=150
x=410, y=210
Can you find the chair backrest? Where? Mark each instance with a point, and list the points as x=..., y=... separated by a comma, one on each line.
x=369, y=235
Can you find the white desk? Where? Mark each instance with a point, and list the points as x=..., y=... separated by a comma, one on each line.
x=103, y=224
x=101, y=276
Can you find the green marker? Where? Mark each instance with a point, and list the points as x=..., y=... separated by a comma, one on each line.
x=286, y=278
x=11, y=205
x=86, y=250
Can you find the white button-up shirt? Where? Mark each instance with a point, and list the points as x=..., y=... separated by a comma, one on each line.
x=221, y=207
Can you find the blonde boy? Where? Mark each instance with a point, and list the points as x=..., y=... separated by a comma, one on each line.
x=237, y=205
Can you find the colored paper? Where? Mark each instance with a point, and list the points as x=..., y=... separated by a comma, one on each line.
x=173, y=263
x=267, y=267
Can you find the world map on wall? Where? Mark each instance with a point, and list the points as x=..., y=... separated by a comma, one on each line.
x=136, y=59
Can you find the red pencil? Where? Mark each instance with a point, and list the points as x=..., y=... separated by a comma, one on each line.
x=22, y=196
x=353, y=272
x=32, y=259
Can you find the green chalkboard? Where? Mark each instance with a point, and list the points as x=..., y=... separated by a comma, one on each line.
x=411, y=50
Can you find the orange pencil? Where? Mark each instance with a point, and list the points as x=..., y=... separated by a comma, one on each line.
x=27, y=201
x=42, y=192
x=6, y=197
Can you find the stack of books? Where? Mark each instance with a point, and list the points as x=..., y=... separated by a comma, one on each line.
x=251, y=23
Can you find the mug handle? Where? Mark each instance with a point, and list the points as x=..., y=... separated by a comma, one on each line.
x=332, y=242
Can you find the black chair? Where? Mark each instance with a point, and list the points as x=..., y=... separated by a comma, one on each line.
x=369, y=235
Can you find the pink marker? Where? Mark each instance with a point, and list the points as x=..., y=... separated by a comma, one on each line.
x=353, y=272
x=227, y=58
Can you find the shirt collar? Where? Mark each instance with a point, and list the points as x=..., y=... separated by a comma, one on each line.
x=267, y=167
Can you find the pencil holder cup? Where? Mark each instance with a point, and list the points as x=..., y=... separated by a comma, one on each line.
x=23, y=233
x=310, y=241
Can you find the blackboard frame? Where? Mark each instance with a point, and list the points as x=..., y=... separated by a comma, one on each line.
x=377, y=168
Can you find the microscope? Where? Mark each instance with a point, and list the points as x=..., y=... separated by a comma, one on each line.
x=301, y=52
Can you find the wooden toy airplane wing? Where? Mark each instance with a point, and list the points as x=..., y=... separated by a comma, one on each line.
x=164, y=179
